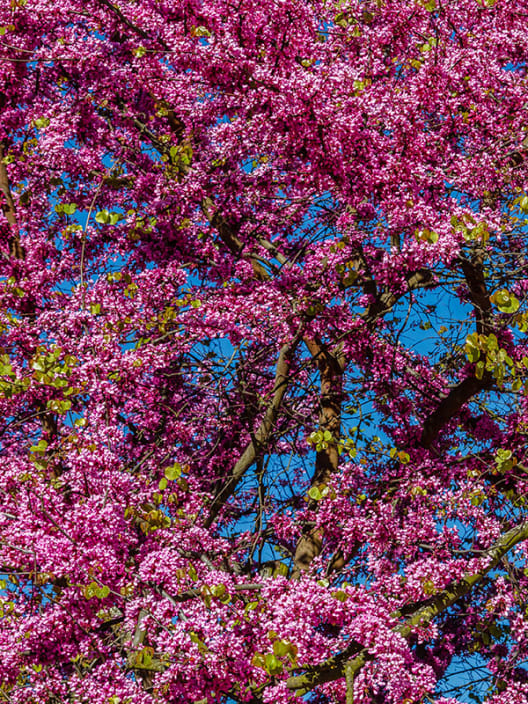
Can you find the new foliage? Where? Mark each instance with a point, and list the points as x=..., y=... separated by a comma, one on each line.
x=263, y=351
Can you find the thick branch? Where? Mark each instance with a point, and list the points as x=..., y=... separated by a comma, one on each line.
x=263, y=433
x=229, y=235
x=474, y=275
x=15, y=248
x=334, y=668
x=331, y=367
x=450, y=406
x=385, y=301
x=457, y=397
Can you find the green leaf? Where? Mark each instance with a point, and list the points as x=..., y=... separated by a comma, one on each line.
x=432, y=237
x=491, y=342
x=200, y=31
x=40, y=447
x=41, y=122
x=59, y=406
x=340, y=595
x=218, y=590
x=103, y=217
x=91, y=590
x=428, y=587
x=143, y=659
x=272, y=664
x=472, y=340
x=258, y=661
x=282, y=648
x=173, y=472
x=505, y=301
x=315, y=494
x=195, y=638
x=504, y=460
x=472, y=353
x=517, y=385
x=316, y=436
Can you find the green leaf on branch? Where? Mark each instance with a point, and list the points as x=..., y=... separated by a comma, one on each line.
x=283, y=648
x=426, y=235
x=268, y=662
x=96, y=590
x=504, y=460
x=41, y=447
x=505, y=301
x=60, y=406
x=473, y=354
x=200, y=31
x=105, y=217
x=173, y=472
x=317, y=493
x=472, y=347
x=41, y=122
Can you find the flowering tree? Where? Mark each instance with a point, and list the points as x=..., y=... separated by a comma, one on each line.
x=262, y=351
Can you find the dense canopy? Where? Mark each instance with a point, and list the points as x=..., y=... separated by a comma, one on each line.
x=263, y=356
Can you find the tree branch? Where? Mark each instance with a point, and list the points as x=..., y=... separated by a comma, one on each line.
x=263, y=433
x=422, y=278
x=229, y=235
x=450, y=406
x=15, y=248
x=474, y=275
x=331, y=368
x=335, y=667
x=466, y=389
